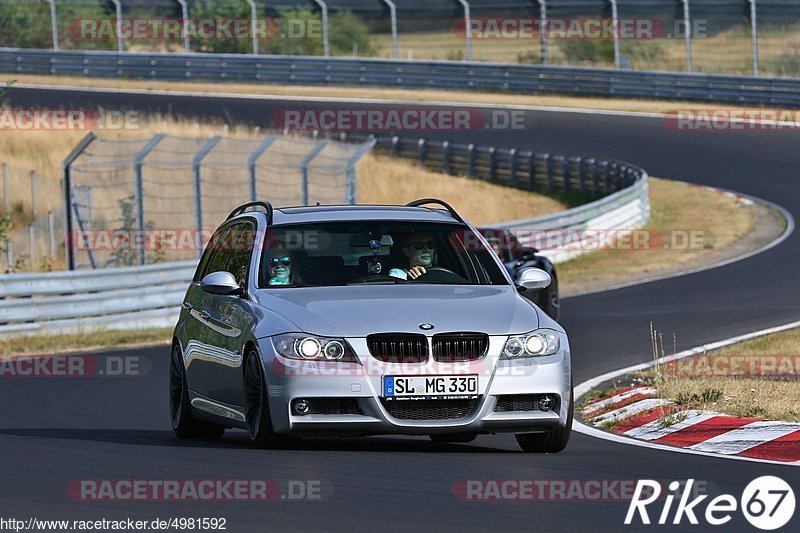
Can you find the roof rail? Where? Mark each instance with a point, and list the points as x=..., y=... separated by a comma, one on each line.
x=425, y=201
x=244, y=207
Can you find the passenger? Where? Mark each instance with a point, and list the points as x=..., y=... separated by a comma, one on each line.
x=421, y=253
x=280, y=268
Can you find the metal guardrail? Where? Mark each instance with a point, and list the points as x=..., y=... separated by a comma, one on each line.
x=150, y=296
x=527, y=79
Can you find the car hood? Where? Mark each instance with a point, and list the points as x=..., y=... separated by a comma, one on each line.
x=357, y=311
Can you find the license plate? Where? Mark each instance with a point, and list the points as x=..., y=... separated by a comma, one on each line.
x=429, y=387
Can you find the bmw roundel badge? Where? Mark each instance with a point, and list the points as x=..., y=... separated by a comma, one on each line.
x=426, y=326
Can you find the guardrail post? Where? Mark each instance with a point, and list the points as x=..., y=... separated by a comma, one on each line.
x=396, y=145
x=595, y=177
x=687, y=37
x=512, y=157
x=543, y=30
x=325, y=44
x=251, y=164
x=532, y=171
x=10, y=256
x=471, y=160
x=54, y=23
x=421, y=146
x=34, y=194
x=304, y=167
x=549, y=164
x=492, y=164
x=468, y=27
x=566, y=173
x=609, y=177
x=581, y=175
x=446, y=157
x=66, y=181
x=754, y=32
x=393, y=17
x=615, y=22
x=138, y=161
x=198, y=188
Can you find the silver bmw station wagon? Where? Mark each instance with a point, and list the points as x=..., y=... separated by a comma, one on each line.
x=365, y=320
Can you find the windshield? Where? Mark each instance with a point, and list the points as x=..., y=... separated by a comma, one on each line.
x=364, y=252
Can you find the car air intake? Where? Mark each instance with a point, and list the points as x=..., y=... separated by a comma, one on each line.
x=430, y=409
x=452, y=347
x=398, y=347
x=509, y=403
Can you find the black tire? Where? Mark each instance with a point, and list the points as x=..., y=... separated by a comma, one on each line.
x=184, y=424
x=552, y=441
x=453, y=437
x=256, y=407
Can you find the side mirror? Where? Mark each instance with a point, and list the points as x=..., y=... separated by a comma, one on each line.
x=220, y=283
x=533, y=279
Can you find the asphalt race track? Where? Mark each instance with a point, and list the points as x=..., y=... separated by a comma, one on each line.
x=53, y=431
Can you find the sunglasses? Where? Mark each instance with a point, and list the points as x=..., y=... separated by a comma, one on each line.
x=422, y=245
x=275, y=261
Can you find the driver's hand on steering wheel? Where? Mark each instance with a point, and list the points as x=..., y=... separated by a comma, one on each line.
x=415, y=272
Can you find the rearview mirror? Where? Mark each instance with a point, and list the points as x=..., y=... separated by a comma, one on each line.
x=534, y=279
x=220, y=283
x=363, y=241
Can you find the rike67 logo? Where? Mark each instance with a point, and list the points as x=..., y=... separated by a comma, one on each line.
x=767, y=502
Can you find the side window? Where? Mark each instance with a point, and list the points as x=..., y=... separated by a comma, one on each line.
x=241, y=249
x=214, y=255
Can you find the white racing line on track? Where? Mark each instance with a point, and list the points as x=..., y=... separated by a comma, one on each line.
x=588, y=385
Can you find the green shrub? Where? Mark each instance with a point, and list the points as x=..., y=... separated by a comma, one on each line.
x=588, y=51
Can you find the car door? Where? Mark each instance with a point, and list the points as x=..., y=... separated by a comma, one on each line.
x=222, y=322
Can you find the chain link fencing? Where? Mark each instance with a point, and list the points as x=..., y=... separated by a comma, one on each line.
x=142, y=201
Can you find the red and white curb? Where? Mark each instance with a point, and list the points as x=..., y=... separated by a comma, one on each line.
x=638, y=413
x=636, y=416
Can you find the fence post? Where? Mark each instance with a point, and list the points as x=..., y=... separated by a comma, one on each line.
x=351, y=169
x=6, y=203
x=66, y=180
x=543, y=30
x=32, y=244
x=185, y=16
x=138, y=161
x=251, y=164
x=687, y=38
x=253, y=22
x=467, y=27
x=492, y=164
x=10, y=256
x=446, y=157
x=198, y=187
x=396, y=145
x=325, y=44
x=118, y=25
x=566, y=173
x=532, y=171
x=549, y=164
x=754, y=32
x=471, y=160
x=304, y=167
x=54, y=23
x=581, y=176
x=393, y=16
x=34, y=194
x=595, y=177
x=615, y=22
x=421, y=145
x=51, y=234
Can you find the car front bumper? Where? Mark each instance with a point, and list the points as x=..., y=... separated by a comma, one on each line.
x=290, y=380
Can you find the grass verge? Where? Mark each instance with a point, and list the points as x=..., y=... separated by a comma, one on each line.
x=41, y=344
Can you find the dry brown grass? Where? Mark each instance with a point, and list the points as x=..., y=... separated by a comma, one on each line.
x=41, y=345
x=423, y=95
x=675, y=207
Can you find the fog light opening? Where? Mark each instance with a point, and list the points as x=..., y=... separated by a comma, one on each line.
x=546, y=403
x=302, y=407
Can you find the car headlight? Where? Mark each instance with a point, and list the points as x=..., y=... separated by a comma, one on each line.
x=313, y=347
x=535, y=344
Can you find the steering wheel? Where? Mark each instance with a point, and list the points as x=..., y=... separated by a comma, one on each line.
x=431, y=273
x=374, y=278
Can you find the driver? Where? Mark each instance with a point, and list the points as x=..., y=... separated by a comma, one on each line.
x=280, y=268
x=420, y=250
